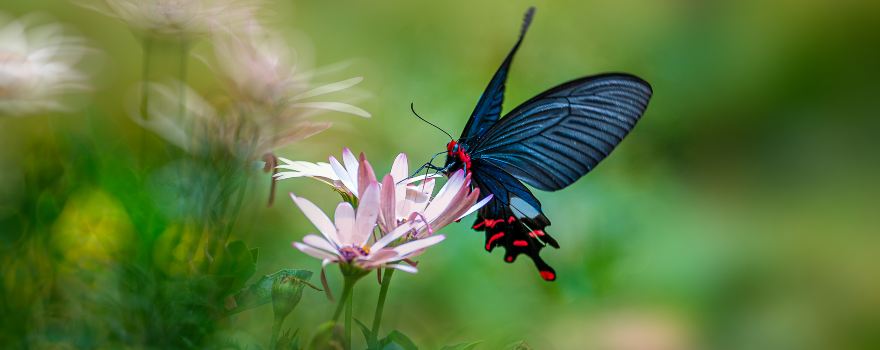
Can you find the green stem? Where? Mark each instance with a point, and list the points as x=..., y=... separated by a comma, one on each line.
x=380, y=305
x=348, y=320
x=276, y=330
x=346, y=291
x=146, y=62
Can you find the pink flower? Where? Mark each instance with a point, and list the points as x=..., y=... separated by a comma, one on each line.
x=346, y=239
x=405, y=201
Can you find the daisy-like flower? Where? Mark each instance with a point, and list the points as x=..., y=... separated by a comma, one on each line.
x=176, y=18
x=346, y=239
x=404, y=201
x=345, y=177
x=37, y=67
x=259, y=69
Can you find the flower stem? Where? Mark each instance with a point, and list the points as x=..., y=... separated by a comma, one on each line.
x=380, y=304
x=276, y=330
x=346, y=291
x=348, y=320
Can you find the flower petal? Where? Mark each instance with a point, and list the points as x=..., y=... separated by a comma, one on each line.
x=367, y=213
x=477, y=205
x=400, y=168
x=387, y=202
x=392, y=236
x=408, y=248
x=314, y=252
x=317, y=217
x=343, y=175
x=365, y=174
x=403, y=267
x=344, y=218
x=350, y=161
x=320, y=243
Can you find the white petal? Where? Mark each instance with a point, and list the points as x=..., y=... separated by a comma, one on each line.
x=317, y=217
x=314, y=252
x=392, y=236
x=351, y=163
x=344, y=218
x=403, y=267
x=332, y=87
x=408, y=248
x=320, y=243
x=343, y=175
x=367, y=213
x=477, y=206
x=400, y=168
x=335, y=106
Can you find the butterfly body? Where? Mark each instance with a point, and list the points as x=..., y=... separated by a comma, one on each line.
x=547, y=142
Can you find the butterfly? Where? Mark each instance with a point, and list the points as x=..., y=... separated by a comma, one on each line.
x=548, y=142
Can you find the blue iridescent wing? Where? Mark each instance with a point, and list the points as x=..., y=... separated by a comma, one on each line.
x=488, y=109
x=560, y=135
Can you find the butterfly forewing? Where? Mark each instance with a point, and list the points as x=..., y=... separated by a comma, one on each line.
x=560, y=135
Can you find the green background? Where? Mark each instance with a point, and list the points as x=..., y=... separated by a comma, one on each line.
x=741, y=213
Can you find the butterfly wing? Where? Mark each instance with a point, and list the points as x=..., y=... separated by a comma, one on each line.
x=513, y=218
x=560, y=135
x=488, y=109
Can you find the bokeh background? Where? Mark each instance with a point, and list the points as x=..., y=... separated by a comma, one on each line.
x=741, y=213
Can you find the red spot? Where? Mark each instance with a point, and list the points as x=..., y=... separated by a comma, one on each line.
x=511, y=219
x=537, y=233
x=508, y=258
x=493, y=239
x=548, y=275
x=479, y=224
x=491, y=223
x=521, y=243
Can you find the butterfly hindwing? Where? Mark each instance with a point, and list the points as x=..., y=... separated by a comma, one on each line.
x=560, y=135
x=513, y=219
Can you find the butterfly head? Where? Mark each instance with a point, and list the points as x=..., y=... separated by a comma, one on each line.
x=456, y=158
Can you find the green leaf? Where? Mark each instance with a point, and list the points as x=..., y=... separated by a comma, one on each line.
x=238, y=263
x=397, y=341
x=260, y=292
x=368, y=335
x=462, y=346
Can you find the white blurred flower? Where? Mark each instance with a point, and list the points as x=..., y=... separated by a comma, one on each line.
x=346, y=239
x=37, y=66
x=178, y=18
x=190, y=122
x=259, y=68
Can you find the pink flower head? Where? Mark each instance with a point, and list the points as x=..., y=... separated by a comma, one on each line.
x=346, y=239
x=406, y=200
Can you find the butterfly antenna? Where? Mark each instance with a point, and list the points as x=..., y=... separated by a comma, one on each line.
x=413, y=108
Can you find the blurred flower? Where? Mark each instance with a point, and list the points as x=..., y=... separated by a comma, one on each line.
x=346, y=240
x=178, y=18
x=264, y=110
x=37, y=67
x=259, y=69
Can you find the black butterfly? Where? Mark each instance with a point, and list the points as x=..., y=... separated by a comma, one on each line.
x=548, y=142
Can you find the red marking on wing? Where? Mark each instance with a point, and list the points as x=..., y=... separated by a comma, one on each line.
x=548, y=275
x=511, y=219
x=508, y=258
x=493, y=239
x=520, y=243
x=537, y=233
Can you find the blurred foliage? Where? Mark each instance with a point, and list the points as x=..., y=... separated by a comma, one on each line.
x=739, y=214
